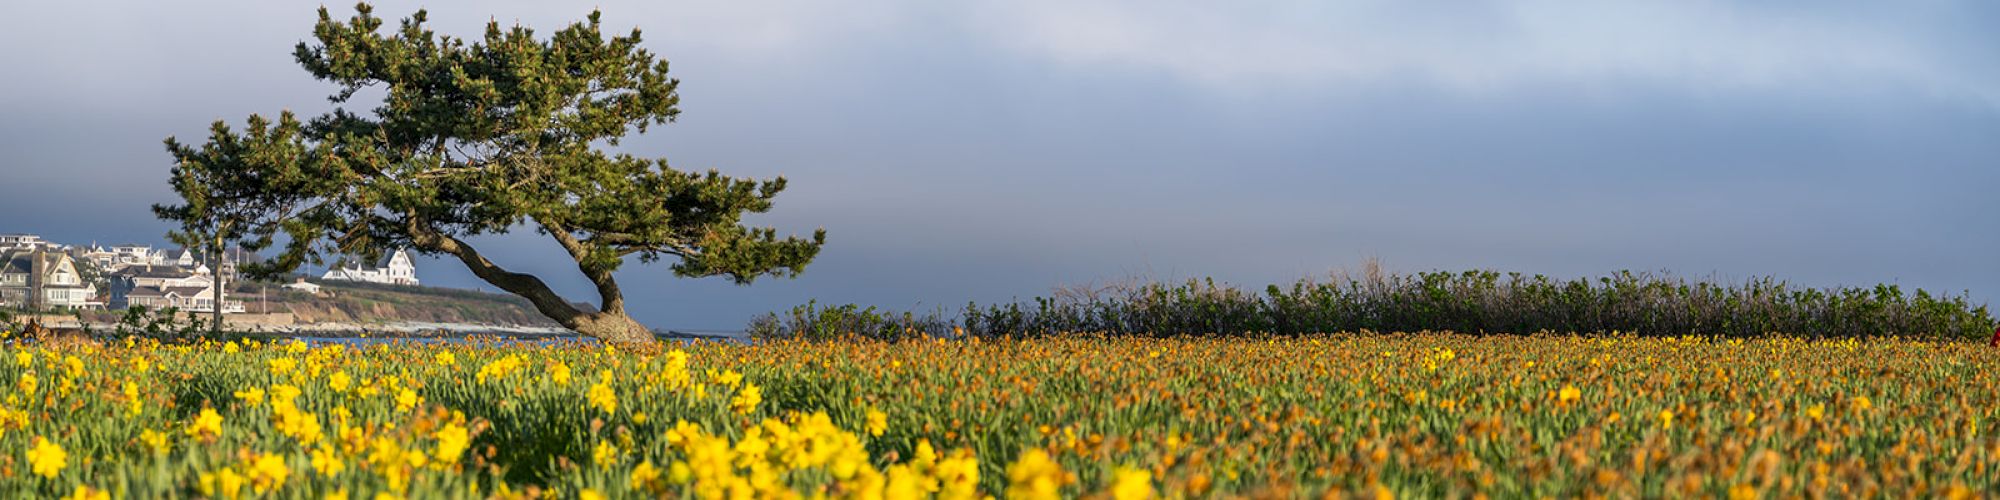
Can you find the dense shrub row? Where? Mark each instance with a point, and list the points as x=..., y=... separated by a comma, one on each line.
x=1471, y=302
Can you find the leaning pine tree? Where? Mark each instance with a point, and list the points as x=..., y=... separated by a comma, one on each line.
x=480, y=138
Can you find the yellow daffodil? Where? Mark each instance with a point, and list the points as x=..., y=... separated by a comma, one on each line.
x=47, y=459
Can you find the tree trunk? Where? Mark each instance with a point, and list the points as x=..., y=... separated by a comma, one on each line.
x=613, y=329
x=610, y=326
x=216, y=297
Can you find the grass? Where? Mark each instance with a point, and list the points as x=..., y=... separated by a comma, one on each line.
x=1425, y=415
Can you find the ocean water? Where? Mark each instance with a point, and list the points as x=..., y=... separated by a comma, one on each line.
x=504, y=339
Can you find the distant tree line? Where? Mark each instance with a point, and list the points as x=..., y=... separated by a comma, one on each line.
x=1467, y=302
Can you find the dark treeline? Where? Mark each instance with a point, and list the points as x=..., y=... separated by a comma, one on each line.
x=1469, y=302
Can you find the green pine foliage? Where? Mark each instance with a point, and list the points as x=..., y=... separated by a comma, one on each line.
x=474, y=137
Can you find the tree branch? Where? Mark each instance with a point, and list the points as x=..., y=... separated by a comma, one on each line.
x=525, y=285
x=610, y=298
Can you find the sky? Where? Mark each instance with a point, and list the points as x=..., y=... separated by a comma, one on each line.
x=988, y=151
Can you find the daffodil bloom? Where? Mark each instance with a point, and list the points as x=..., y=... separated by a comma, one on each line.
x=207, y=424
x=327, y=462
x=877, y=422
x=155, y=440
x=560, y=374
x=746, y=399
x=268, y=472
x=1131, y=484
x=1033, y=476
x=407, y=400
x=646, y=477
x=339, y=381
x=452, y=440
x=604, y=455
x=603, y=398
x=47, y=459
x=89, y=493
x=280, y=367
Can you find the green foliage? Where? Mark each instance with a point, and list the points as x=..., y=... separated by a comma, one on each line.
x=812, y=321
x=479, y=137
x=1476, y=302
x=163, y=324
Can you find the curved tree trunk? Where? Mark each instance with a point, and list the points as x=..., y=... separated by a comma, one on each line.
x=613, y=328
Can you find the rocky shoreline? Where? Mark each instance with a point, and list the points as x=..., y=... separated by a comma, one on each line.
x=412, y=328
x=394, y=329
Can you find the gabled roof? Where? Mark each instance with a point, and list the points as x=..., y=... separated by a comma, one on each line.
x=17, y=262
x=391, y=257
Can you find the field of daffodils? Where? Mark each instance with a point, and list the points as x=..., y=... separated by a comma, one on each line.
x=1377, y=415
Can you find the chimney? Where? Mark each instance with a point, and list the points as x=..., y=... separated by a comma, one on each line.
x=37, y=265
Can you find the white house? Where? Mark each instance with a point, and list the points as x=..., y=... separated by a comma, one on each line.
x=99, y=256
x=159, y=287
x=182, y=258
x=23, y=241
x=140, y=255
x=191, y=299
x=44, y=280
x=303, y=286
x=397, y=269
x=168, y=277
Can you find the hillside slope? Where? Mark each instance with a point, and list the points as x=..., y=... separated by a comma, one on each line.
x=346, y=302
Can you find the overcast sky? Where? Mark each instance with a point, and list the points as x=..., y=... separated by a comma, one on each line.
x=959, y=151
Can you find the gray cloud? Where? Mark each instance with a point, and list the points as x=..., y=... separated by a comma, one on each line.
x=990, y=150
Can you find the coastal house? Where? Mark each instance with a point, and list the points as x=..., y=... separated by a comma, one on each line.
x=167, y=276
x=23, y=241
x=182, y=258
x=396, y=269
x=198, y=299
x=39, y=279
x=155, y=287
x=134, y=255
x=98, y=256
x=303, y=286
x=233, y=257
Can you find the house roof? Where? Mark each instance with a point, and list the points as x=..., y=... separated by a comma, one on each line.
x=187, y=291
x=170, y=272
x=17, y=262
x=145, y=291
x=386, y=259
